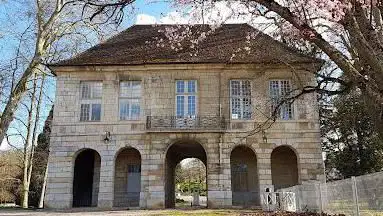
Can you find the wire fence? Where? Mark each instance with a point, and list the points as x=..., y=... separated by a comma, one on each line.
x=360, y=196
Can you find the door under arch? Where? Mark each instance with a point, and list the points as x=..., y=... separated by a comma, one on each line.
x=284, y=167
x=244, y=177
x=127, y=178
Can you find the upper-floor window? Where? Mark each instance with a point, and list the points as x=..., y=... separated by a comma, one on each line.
x=240, y=99
x=186, y=98
x=91, y=97
x=279, y=91
x=130, y=100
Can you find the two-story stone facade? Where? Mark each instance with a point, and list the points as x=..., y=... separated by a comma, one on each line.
x=130, y=109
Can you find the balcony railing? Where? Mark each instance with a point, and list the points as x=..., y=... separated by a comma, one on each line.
x=201, y=123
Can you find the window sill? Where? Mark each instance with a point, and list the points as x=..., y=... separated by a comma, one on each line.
x=90, y=121
x=131, y=120
x=242, y=120
x=276, y=121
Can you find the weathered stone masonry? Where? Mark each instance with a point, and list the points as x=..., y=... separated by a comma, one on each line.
x=70, y=136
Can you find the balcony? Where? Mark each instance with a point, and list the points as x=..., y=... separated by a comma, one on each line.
x=186, y=124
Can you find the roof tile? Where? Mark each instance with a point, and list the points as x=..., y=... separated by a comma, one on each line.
x=141, y=44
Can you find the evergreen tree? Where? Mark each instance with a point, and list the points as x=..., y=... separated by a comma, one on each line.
x=352, y=136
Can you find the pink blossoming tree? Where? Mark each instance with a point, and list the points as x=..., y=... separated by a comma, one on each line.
x=347, y=34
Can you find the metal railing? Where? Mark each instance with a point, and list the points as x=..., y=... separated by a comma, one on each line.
x=166, y=123
x=279, y=201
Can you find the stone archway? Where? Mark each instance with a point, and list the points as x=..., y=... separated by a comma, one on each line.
x=244, y=177
x=284, y=167
x=86, y=179
x=176, y=153
x=127, y=178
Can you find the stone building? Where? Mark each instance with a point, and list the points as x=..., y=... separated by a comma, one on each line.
x=128, y=110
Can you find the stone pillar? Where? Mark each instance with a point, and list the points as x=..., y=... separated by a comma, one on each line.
x=218, y=174
x=144, y=194
x=153, y=169
x=59, y=182
x=105, y=195
x=195, y=198
x=264, y=169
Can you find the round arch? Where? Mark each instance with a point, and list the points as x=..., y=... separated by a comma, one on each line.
x=284, y=167
x=187, y=142
x=244, y=176
x=176, y=152
x=127, y=177
x=245, y=146
x=86, y=178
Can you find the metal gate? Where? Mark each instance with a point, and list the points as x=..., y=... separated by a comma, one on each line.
x=282, y=201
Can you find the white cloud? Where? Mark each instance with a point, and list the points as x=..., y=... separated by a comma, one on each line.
x=174, y=17
x=145, y=19
x=4, y=145
x=217, y=13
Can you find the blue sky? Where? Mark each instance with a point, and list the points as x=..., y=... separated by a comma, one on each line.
x=153, y=8
x=11, y=23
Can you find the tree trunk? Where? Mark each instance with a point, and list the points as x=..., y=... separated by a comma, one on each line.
x=14, y=100
x=27, y=151
x=35, y=127
x=42, y=195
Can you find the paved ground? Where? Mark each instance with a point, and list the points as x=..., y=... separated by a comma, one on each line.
x=189, y=199
x=94, y=212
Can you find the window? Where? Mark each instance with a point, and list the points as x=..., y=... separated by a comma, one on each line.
x=240, y=177
x=130, y=100
x=91, y=96
x=134, y=168
x=279, y=89
x=186, y=98
x=240, y=99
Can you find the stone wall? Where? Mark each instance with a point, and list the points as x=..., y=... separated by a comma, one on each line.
x=69, y=135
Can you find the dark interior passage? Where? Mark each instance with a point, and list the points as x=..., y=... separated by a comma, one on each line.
x=86, y=179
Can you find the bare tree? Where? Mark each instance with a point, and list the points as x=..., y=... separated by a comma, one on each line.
x=56, y=30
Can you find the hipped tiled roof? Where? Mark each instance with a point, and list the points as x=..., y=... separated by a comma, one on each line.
x=147, y=44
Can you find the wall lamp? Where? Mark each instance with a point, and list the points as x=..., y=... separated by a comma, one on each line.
x=264, y=136
x=107, y=137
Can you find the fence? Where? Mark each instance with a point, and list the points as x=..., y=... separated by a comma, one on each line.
x=285, y=201
x=360, y=196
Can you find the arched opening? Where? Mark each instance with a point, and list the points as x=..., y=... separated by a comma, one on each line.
x=190, y=183
x=284, y=167
x=174, y=155
x=127, y=178
x=244, y=177
x=86, y=180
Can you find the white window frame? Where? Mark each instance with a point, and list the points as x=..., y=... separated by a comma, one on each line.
x=281, y=115
x=241, y=97
x=90, y=100
x=186, y=95
x=130, y=98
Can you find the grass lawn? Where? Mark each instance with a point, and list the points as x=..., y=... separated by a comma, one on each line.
x=120, y=212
